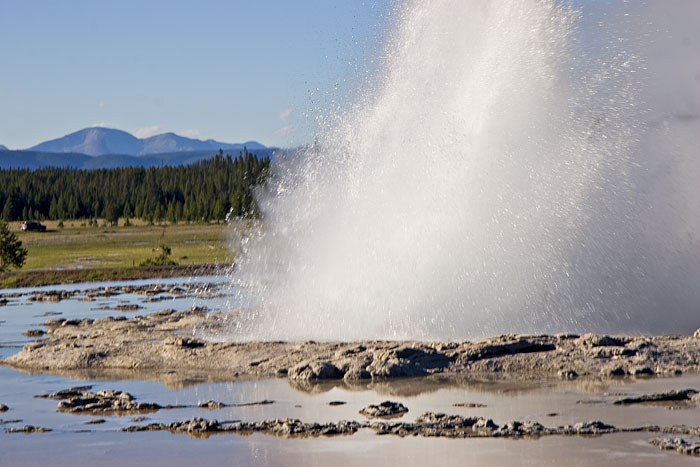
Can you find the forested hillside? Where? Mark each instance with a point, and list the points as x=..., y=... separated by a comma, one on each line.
x=199, y=192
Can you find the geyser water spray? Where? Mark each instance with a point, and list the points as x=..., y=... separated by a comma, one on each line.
x=518, y=166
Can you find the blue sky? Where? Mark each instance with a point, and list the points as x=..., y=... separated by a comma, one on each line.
x=229, y=70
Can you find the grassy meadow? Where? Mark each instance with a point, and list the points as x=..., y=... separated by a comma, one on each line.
x=115, y=252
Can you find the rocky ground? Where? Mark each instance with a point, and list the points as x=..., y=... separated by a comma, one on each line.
x=430, y=424
x=162, y=342
x=79, y=400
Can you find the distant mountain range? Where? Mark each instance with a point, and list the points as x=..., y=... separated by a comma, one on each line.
x=97, y=148
x=35, y=160
x=98, y=141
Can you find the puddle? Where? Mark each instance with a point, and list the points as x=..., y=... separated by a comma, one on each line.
x=551, y=402
x=21, y=314
x=503, y=402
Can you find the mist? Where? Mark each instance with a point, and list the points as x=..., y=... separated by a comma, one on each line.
x=517, y=166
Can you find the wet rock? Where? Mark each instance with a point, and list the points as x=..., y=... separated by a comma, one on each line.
x=71, y=322
x=679, y=445
x=248, y=404
x=335, y=403
x=315, y=370
x=588, y=428
x=593, y=340
x=406, y=361
x=4, y=408
x=51, y=296
x=198, y=425
x=485, y=424
x=138, y=419
x=357, y=373
x=284, y=427
x=511, y=345
x=106, y=401
x=292, y=427
x=427, y=425
x=610, y=352
x=567, y=374
x=184, y=342
x=27, y=429
x=642, y=371
x=348, y=352
x=673, y=395
x=53, y=322
x=469, y=405
x=66, y=393
x=432, y=424
x=162, y=313
x=386, y=409
x=397, y=429
x=128, y=307
x=197, y=310
x=33, y=332
x=668, y=371
x=211, y=405
x=612, y=371
x=32, y=346
x=444, y=420
x=696, y=334
x=163, y=342
x=97, y=421
x=519, y=429
x=160, y=298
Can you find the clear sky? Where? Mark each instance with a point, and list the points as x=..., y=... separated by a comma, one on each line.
x=228, y=70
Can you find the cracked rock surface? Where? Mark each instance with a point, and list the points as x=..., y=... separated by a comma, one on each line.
x=164, y=341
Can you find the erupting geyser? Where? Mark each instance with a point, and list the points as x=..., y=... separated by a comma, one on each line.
x=519, y=166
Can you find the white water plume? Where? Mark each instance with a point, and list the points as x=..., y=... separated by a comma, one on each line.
x=519, y=166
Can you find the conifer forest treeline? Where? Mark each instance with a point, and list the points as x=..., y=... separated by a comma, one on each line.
x=203, y=191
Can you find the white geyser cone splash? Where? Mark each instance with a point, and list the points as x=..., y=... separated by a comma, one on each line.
x=520, y=166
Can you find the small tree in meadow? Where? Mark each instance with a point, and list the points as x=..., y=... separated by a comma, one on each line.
x=11, y=252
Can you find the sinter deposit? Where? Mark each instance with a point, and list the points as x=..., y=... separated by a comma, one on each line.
x=162, y=342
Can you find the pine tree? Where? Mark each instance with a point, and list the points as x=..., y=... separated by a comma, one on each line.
x=8, y=211
x=11, y=252
x=178, y=193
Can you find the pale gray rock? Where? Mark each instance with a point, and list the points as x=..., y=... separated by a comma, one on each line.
x=386, y=409
x=679, y=445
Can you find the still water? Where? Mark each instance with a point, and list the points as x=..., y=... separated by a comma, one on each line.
x=73, y=441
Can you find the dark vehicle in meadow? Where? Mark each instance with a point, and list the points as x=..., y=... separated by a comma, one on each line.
x=29, y=226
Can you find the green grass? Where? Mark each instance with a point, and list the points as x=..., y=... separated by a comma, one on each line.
x=78, y=253
x=76, y=247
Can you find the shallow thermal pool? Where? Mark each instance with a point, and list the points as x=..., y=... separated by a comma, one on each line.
x=73, y=440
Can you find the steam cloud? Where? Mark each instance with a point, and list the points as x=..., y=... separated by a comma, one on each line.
x=519, y=166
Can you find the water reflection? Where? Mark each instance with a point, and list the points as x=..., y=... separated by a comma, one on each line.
x=505, y=385
x=550, y=401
